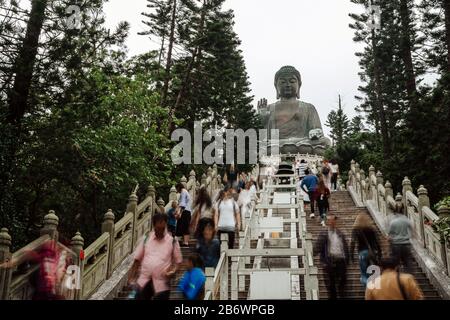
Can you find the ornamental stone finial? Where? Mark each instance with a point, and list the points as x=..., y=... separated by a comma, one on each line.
x=160, y=202
x=151, y=191
x=422, y=191
x=77, y=240
x=406, y=182
x=109, y=216
x=183, y=179
x=399, y=197
x=192, y=174
x=5, y=238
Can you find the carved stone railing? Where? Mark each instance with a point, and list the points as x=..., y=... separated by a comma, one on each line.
x=100, y=259
x=432, y=250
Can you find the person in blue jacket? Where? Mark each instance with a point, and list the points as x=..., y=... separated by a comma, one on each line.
x=193, y=281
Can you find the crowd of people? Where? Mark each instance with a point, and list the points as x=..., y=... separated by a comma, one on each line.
x=158, y=257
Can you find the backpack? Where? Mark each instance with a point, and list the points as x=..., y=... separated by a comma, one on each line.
x=325, y=170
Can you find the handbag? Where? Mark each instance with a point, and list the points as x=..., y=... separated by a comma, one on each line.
x=372, y=256
x=402, y=289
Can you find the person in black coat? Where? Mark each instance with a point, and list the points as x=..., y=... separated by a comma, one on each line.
x=334, y=255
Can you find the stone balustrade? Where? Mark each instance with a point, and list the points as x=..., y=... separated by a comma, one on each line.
x=106, y=254
x=432, y=249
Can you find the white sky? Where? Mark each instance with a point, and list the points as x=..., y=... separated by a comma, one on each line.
x=312, y=35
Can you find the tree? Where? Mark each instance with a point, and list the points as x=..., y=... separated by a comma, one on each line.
x=339, y=124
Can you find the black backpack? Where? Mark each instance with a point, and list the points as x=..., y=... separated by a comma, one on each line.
x=325, y=170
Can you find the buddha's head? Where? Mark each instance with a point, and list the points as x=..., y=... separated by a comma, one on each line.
x=288, y=82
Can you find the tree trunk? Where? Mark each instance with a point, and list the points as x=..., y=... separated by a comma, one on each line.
x=24, y=65
x=195, y=55
x=165, y=90
x=379, y=102
x=406, y=49
x=446, y=4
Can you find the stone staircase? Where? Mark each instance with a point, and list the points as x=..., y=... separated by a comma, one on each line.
x=343, y=206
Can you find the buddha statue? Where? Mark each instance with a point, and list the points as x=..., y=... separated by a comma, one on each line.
x=298, y=123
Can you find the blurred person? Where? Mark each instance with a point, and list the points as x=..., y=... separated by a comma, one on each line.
x=208, y=247
x=399, y=235
x=322, y=195
x=156, y=260
x=203, y=209
x=333, y=250
x=310, y=181
x=369, y=250
x=334, y=174
x=183, y=214
x=52, y=265
x=227, y=217
x=192, y=284
x=172, y=220
x=326, y=172
x=393, y=285
x=302, y=167
x=245, y=200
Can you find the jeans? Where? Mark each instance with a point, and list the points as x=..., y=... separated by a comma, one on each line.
x=323, y=209
x=336, y=273
x=231, y=236
x=363, y=266
x=311, y=199
x=402, y=254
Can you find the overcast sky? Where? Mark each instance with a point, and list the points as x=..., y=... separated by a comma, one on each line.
x=312, y=35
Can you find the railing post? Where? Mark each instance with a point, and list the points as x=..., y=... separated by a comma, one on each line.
x=77, y=244
x=5, y=256
x=131, y=207
x=380, y=181
x=445, y=243
x=151, y=193
x=362, y=177
x=424, y=201
x=50, y=226
x=388, y=192
x=224, y=276
x=108, y=226
x=161, y=205
x=406, y=187
x=172, y=195
x=234, y=278
x=209, y=284
x=183, y=180
x=242, y=261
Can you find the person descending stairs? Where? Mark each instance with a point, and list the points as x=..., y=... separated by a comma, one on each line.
x=342, y=205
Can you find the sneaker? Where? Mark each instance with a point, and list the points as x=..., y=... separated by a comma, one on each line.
x=312, y=215
x=323, y=224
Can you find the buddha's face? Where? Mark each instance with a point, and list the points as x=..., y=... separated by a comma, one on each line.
x=288, y=87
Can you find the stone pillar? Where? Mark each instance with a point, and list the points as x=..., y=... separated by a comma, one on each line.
x=184, y=181
x=209, y=284
x=380, y=179
x=5, y=256
x=352, y=165
x=372, y=171
x=203, y=181
x=224, y=276
x=424, y=201
x=406, y=184
x=108, y=226
x=443, y=212
x=362, y=177
x=172, y=195
x=77, y=244
x=388, y=192
x=399, y=200
x=131, y=207
x=50, y=225
x=151, y=193
x=161, y=205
